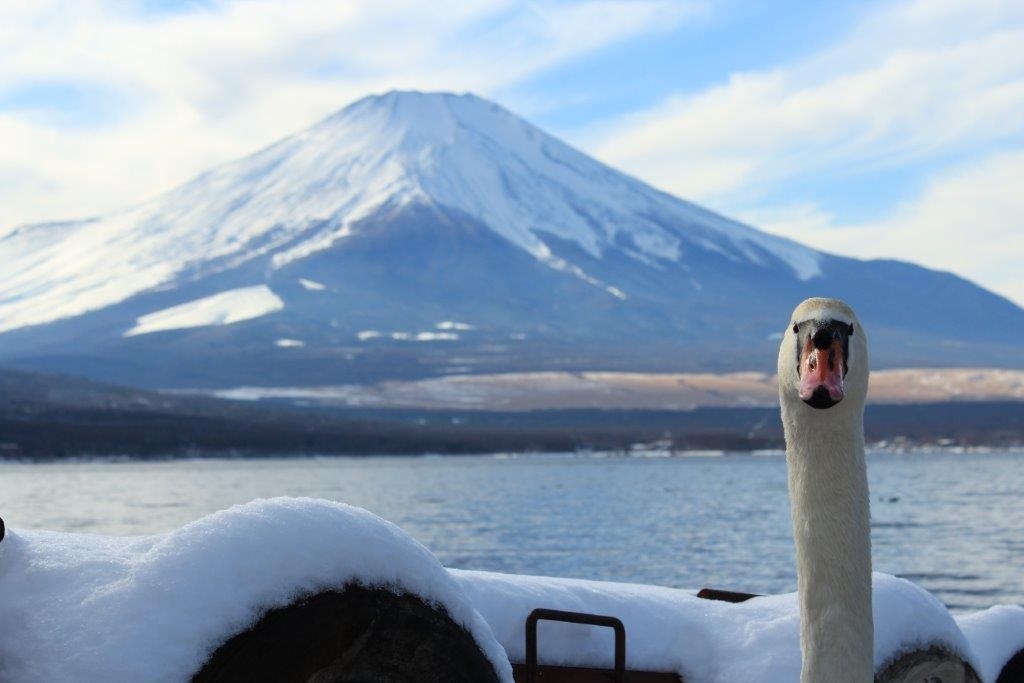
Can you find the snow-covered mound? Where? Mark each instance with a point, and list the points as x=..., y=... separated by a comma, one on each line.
x=89, y=608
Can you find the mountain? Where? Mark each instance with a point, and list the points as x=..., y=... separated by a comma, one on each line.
x=414, y=235
x=46, y=416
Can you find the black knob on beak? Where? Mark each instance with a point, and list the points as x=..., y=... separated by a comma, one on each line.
x=824, y=337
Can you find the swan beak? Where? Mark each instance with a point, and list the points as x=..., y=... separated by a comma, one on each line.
x=821, y=374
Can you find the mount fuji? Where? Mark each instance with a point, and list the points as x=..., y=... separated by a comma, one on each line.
x=414, y=235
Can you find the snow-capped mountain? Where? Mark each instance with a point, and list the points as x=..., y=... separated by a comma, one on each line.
x=416, y=234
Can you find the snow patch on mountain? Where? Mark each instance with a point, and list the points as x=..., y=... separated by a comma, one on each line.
x=422, y=336
x=225, y=308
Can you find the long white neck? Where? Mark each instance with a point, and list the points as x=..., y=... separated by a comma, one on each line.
x=830, y=507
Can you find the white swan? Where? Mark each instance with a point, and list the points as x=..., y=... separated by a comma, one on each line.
x=823, y=381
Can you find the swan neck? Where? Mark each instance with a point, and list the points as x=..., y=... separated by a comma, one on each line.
x=832, y=529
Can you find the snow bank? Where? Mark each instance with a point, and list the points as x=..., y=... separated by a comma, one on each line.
x=703, y=640
x=225, y=308
x=90, y=608
x=996, y=634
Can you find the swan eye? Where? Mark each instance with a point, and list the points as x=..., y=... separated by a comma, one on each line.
x=796, y=328
x=851, y=330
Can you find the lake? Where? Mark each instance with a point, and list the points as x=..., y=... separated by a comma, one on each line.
x=950, y=522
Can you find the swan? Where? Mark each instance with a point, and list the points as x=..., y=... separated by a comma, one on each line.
x=823, y=382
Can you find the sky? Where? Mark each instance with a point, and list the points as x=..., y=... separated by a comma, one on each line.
x=870, y=129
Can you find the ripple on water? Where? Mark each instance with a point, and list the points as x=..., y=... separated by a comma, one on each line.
x=948, y=522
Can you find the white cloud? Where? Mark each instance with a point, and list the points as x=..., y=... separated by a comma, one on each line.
x=875, y=108
x=915, y=83
x=195, y=88
x=968, y=219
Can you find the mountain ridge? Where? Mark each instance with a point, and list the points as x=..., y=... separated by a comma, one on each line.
x=229, y=207
x=404, y=211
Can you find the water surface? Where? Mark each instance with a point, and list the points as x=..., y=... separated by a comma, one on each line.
x=951, y=522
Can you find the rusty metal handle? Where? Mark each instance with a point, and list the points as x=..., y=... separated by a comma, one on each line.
x=573, y=618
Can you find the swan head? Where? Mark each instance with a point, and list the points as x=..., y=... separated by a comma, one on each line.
x=823, y=359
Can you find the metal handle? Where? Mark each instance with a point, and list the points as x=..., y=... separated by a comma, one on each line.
x=573, y=618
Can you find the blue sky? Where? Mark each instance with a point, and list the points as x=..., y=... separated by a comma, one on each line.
x=872, y=129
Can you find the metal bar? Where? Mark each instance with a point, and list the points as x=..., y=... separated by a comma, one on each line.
x=573, y=618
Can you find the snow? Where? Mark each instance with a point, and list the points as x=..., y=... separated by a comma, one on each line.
x=996, y=634
x=89, y=608
x=225, y=308
x=289, y=343
x=672, y=630
x=309, y=192
x=93, y=608
x=424, y=336
x=366, y=335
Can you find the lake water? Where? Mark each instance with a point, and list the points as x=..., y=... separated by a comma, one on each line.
x=953, y=523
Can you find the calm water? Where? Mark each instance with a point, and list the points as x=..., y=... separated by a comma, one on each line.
x=952, y=523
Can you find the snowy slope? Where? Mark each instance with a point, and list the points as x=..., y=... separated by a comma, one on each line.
x=306, y=192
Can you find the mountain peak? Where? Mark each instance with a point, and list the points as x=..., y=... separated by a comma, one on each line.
x=428, y=116
x=417, y=234
x=415, y=125
x=312, y=191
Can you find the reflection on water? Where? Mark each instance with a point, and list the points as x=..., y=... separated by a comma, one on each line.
x=951, y=523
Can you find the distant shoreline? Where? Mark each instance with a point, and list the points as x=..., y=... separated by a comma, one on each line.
x=254, y=431
x=909, y=450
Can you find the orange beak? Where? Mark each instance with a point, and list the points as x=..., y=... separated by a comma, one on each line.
x=821, y=374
